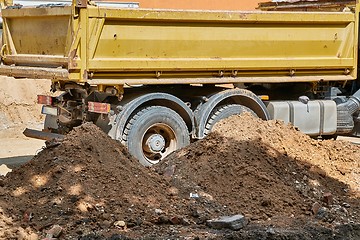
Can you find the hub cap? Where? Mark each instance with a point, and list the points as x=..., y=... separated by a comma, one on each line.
x=159, y=140
x=154, y=143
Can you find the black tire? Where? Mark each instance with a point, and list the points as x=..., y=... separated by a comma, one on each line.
x=223, y=112
x=154, y=132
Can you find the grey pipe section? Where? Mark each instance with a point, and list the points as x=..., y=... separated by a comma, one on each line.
x=345, y=112
x=353, y=104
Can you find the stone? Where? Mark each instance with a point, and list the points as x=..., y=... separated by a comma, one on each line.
x=158, y=211
x=325, y=215
x=175, y=220
x=206, y=196
x=315, y=208
x=54, y=232
x=234, y=222
x=266, y=202
x=2, y=191
x=194, y=195
x=162, y=220
x=185, y=221
x=328, y=198
x=173, y=191
x=169, y=171
x=106, y=224
x=105, y=216
x=120, y=224
x=27, y=216
x=346, y=205
x=270, y=231
x=195, y=213
x=341, y=211
x=314, y=183
x=2, y=183
x=322, y=213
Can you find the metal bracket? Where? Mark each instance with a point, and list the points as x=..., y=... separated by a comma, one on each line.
x=5, y=3
x=81, y=3
x=292, y=72
x=2, y=51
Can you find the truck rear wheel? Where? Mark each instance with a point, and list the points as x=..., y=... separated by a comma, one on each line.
x=223, y=112
x=154, y=132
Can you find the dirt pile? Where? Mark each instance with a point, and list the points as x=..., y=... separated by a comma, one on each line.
x=90, y=184
x=270, y=171
x=274, y=175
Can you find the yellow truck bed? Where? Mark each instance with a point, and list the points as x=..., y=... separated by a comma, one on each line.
x=101, y=45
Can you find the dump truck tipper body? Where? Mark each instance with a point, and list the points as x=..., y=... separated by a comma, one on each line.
x=150, y=77
x=96, y=44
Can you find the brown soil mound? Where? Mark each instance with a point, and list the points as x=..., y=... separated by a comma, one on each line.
x=268, y=170
x=89, y=185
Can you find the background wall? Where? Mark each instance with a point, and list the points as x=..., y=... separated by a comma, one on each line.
x=201, y=4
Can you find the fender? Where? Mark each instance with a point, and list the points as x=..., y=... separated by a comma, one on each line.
x=158, y=99
x=239, y=96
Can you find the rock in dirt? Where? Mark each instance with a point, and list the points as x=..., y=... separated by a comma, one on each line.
x=158, y=211
x=328, y=198
x=55, y=231
x=120, y=224
x=325, y=215
x=315, y=208
x=346, y=205
x=235, y=222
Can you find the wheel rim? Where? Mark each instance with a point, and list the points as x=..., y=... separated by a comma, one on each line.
x=157, y=142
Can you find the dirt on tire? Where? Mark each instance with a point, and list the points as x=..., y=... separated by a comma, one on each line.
x=285, y=183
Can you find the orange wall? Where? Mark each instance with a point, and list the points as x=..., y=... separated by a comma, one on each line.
x=201, y=4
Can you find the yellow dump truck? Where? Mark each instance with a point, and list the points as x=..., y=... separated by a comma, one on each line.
x=154, y=79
